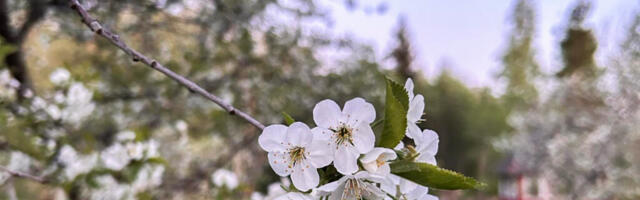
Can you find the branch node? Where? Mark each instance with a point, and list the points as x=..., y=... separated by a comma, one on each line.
x=115, y=37
x=136, y=58
x=95, y=26
x=74, y=6
x=154, y=64
x=232, y=111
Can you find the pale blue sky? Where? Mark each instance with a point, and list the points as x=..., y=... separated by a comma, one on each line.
x=471, y=33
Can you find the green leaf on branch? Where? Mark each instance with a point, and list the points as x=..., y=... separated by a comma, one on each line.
x=395, y=115
x=287, y=118
x=434, y=177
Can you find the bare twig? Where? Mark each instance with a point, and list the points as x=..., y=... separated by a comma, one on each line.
x=96, y=27
x=23, y=175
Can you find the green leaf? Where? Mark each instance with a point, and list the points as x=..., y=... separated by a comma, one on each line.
x=434, y=177
x=395, y=115
x=403, y=166
x=287, y=118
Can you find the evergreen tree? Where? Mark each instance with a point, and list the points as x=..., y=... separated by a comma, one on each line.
x=579, y=45
x=403, y=53
x=520, y=67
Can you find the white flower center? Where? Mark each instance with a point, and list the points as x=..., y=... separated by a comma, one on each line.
x=296, y=154
x=352, y=189
x=380, y=161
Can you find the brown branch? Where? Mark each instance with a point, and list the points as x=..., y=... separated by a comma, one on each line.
x=96, y=27
x=23, y=175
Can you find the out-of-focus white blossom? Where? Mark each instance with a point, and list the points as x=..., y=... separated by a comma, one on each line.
x=7, y=85
x=225, y=178
x=59, y=76
x=348, y=131
x=78, y=104
x=54, y=112
x=126, y=136
x=75, y=164
x=148, y=177
x=19, y=162
x=182, y=126
x=109, y=189
x=115, y=157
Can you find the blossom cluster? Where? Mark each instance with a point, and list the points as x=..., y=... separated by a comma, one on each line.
x=344, y=139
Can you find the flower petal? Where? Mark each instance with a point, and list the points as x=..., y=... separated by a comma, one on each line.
x=278, y=163
x=413, y=131
x=299, y=134
x=330, y=187
x=409, y=87
x=384, y=169
x=416, y=108
x=406, y=186
x=358, y=110
x=372, y=192
x=272, y=138
x=418, y=193
x=426, y=158
x=372, y=155
x=293, y=196
x=326, y=114
x=428, y=142
x=304, y=177
x=363, y=138
x=346, y=160
x=320, y=151
x=400, y=146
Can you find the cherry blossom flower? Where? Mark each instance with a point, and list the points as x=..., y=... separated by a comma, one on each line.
x=404, y=189
x=295, y=151
x=416, y=107
x=115, y=157
x=59, y=76
x=294, y=196
x=376, y=161
x=348, y=131
x=225, y=178
x=427, y=146
x=358, y=186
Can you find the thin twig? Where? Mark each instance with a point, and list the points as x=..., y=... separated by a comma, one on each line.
x=23, y=175
x=97, y=28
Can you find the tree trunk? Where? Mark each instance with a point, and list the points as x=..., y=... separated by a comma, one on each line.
x=18, y=68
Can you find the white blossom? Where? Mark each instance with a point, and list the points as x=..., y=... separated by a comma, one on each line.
x=75, y=164
x=294, y=196
x=59, y=76
x=377, y=161
x=358, y=186
x=182, y=126
x=225, y=178
x=295, y=151
x=404, y=189
x=427, y=146
x=416, y=107
x=126, y=136
x=78, y=104
x=115, y=157
x=348, y=131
